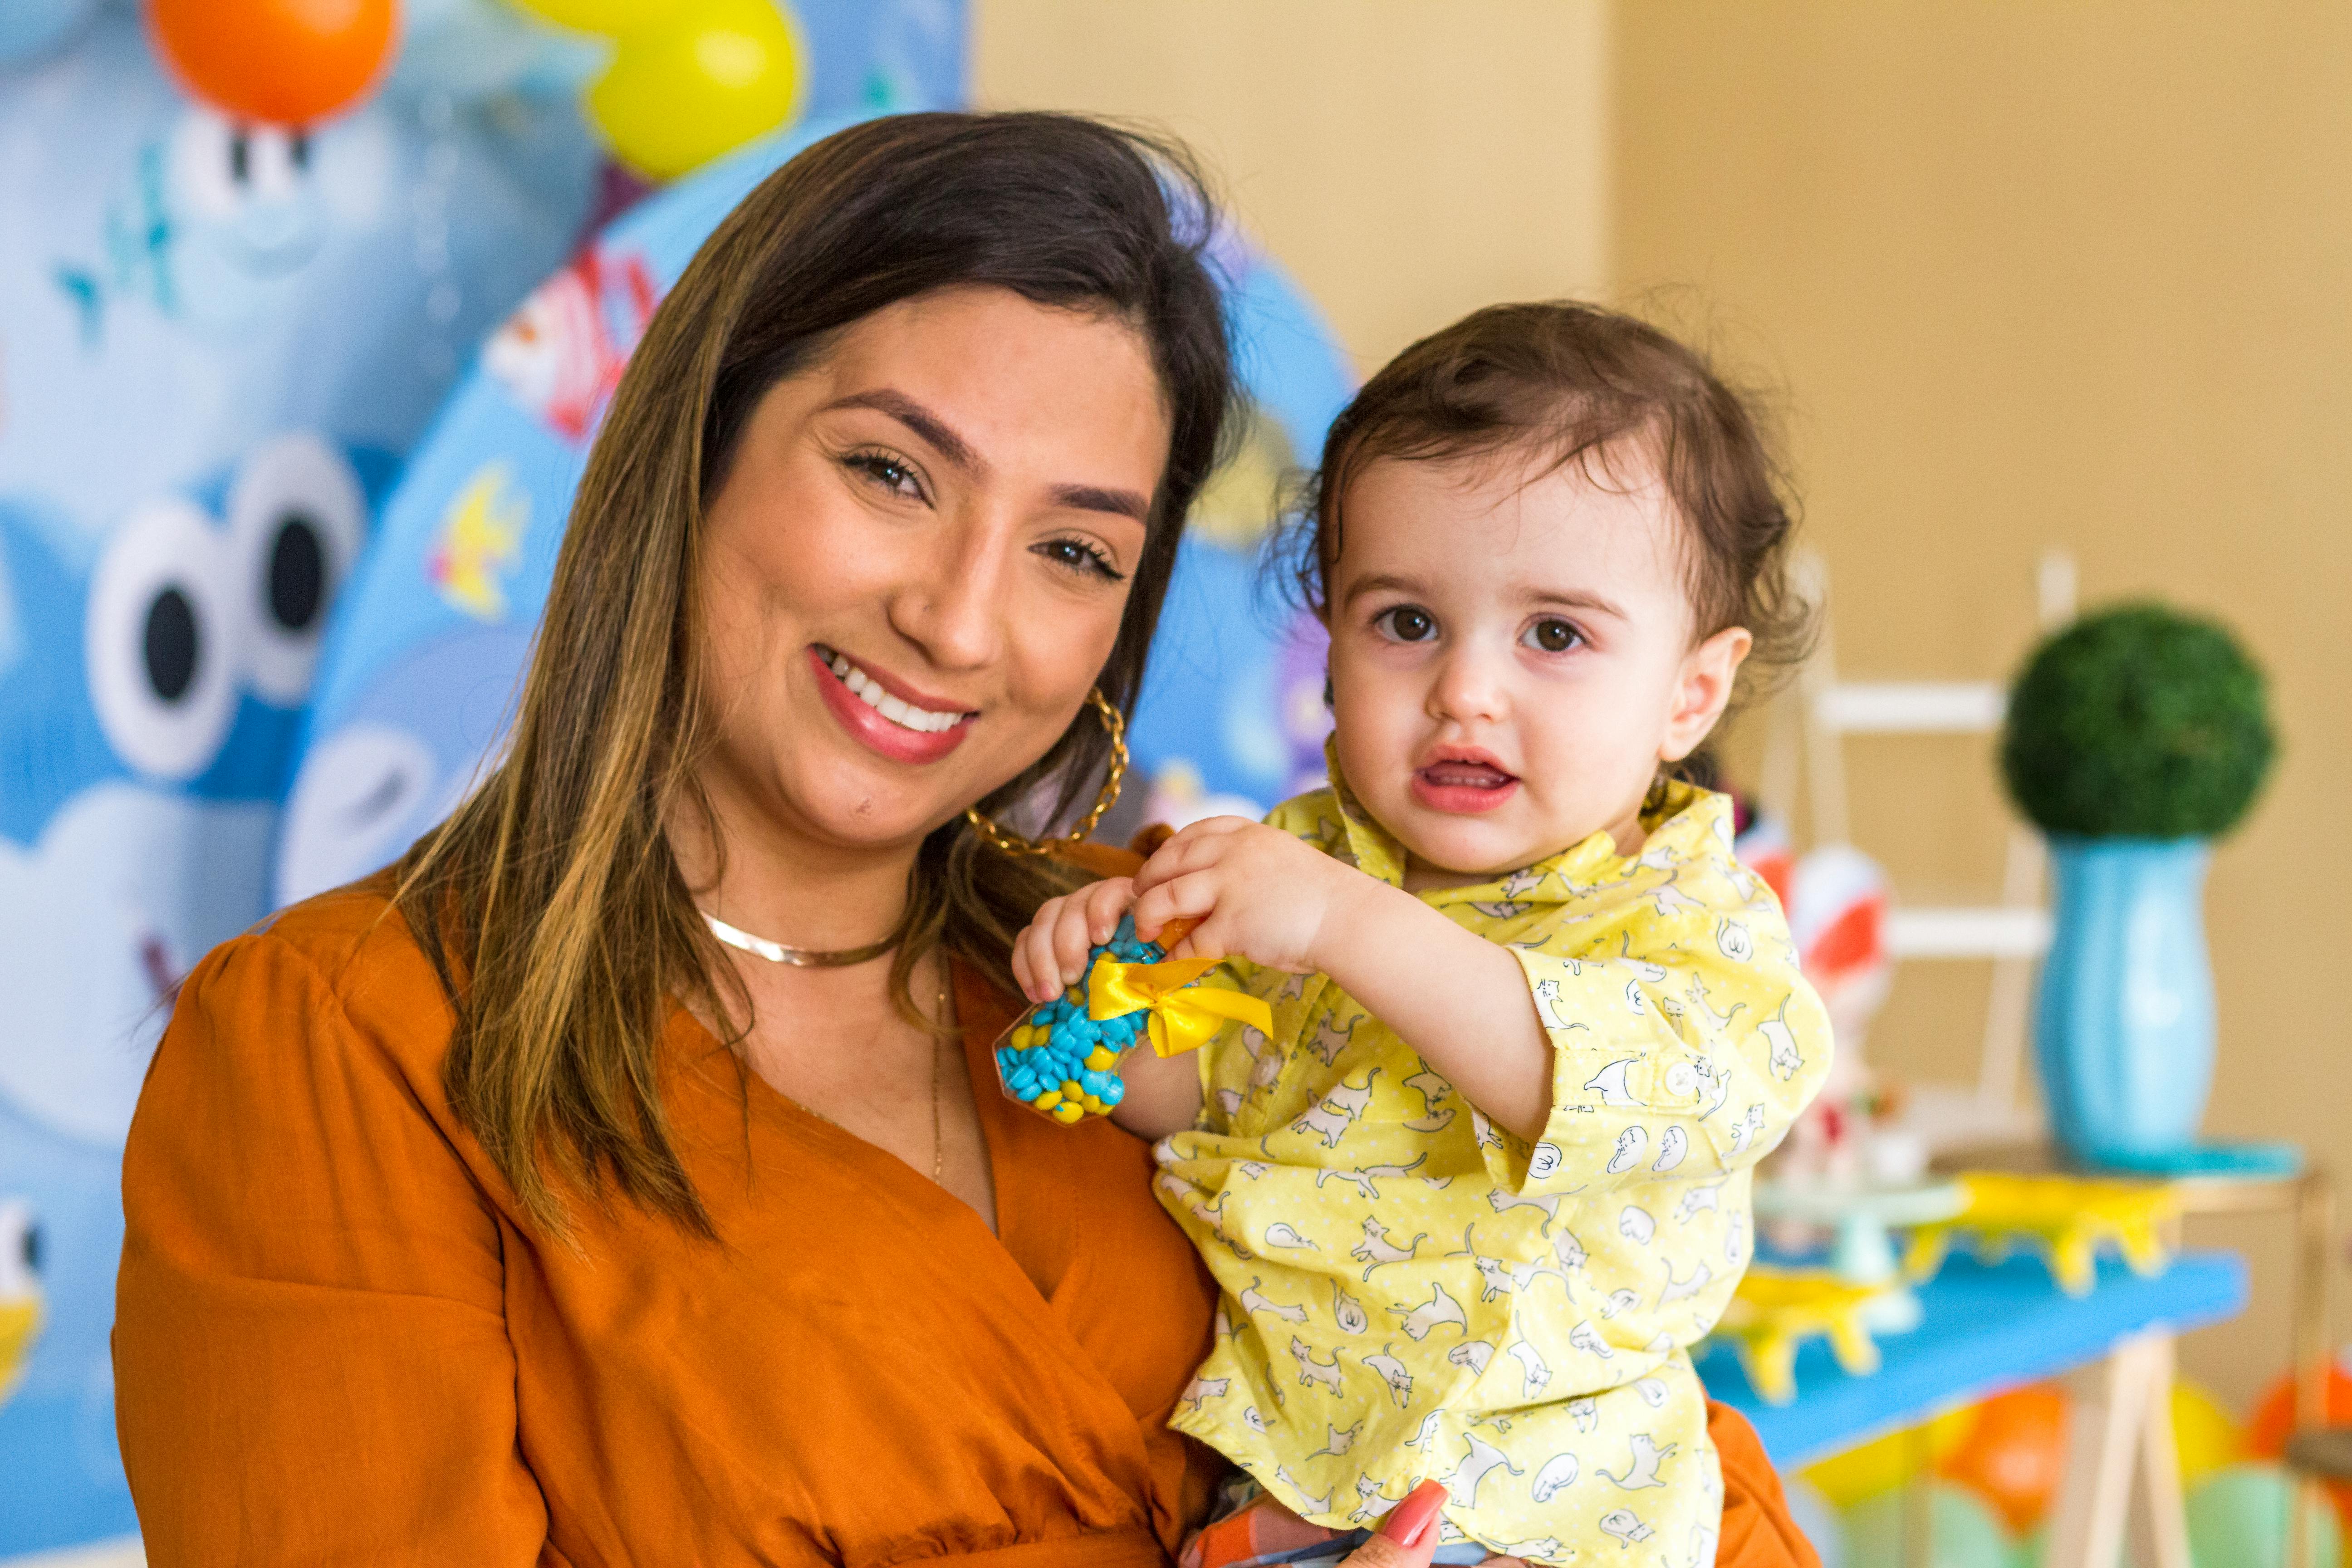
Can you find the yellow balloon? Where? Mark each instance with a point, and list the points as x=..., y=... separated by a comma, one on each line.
x=609, y=18
x=1885, y=1463
x=2208, y=1437
x=678, y=97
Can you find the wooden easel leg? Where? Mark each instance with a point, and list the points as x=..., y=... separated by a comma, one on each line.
x=2166, y=1517
x=2103, y=1443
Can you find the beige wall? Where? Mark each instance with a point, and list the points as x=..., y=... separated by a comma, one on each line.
x=2023, y=275
x=2038, y=275
x=1408, y=160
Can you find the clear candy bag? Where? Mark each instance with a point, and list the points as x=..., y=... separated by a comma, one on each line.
x=1061, y=1059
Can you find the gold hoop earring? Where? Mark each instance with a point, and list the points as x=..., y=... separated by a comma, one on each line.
x=1012, y=843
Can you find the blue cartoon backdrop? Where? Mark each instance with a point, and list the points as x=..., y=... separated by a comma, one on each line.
x=218, y=342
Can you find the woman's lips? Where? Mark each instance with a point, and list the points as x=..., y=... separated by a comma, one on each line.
x=1462, y=788
x=872, y=723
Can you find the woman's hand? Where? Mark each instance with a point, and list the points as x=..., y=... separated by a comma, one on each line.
x=1052, y=952
x=1257, y=892
x=1407, y=1538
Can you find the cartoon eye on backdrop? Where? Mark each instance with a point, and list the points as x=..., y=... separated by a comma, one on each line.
x=161, y=643
x=252, y=180
x=296, y=519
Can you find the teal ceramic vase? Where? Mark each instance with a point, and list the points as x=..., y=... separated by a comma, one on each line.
x=2123, y=1022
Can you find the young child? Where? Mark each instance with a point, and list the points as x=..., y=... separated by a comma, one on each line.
x=1486, y=1181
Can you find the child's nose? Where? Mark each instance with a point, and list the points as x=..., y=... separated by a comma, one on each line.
x=1469, y=686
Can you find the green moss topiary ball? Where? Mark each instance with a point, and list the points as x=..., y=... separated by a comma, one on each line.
x=2138, y=723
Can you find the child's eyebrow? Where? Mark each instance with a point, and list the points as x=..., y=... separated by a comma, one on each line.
x=1378, y=582
x=1575, y=599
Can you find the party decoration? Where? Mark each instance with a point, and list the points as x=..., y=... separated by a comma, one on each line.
x=20, y=1290
x=2014, y=1454
x=2239, y=1518
x=2273, y=1424
x=1774, y=1311
x=2133, y=738
x=1869, y=1469
x=1817, y=1518
x=2068, y=1218
x=1062, y=1056
x=217, y=338
x=675, y=99
x=2205, y=1435
x=609, y=18
x=689, y=81
x=278, y=62
x=1962, y=1531
x=31, y=29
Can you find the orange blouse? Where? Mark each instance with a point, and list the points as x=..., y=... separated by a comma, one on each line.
x=336, y=1342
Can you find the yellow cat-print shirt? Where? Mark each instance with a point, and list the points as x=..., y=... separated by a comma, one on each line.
x=1412, y=1291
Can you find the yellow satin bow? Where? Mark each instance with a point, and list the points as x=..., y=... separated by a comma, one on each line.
x=1184, y=1017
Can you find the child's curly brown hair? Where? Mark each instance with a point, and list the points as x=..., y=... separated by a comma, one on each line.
x=1565, y=381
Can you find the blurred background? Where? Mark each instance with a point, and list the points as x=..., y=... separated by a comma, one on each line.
x=2043, y=297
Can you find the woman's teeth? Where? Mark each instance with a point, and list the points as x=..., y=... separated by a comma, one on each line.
x=869, y=692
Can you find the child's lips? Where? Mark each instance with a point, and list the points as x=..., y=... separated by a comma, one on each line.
x=1473, y=775
x=1462, y=788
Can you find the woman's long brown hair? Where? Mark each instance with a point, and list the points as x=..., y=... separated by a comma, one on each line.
x=548, y=902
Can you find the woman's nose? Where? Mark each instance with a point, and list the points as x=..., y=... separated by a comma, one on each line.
x=952, y=602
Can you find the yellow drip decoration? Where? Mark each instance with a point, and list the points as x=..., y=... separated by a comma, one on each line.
x=1775, y=1310
x=2066, y=1217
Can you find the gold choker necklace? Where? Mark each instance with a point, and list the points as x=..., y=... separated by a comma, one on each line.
x=799, y=957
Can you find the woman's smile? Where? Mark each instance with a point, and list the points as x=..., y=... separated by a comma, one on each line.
x=882, y=712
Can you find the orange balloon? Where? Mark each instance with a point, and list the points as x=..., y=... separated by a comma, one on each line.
x=2014, y=1454
x=2274, y=1420
x=282, y=62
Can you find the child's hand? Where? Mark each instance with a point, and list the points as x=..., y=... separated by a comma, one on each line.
x=1257, y=892
x=1052, y=953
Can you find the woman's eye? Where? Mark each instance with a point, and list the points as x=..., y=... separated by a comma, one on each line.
x=1408, y=623
x=888, y=472
x=1552, y=636
x=1080, y=556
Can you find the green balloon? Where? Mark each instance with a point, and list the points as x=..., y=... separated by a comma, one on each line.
x=1965, y=1533
x=2238, y=1519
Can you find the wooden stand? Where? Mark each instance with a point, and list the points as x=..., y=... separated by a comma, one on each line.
x=2122, y=1420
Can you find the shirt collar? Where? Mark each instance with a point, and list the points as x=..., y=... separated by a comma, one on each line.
x=1680, y=826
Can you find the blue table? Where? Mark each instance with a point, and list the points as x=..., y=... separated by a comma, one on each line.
x=1985, y=1328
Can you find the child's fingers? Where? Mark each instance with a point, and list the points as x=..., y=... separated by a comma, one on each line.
x=1106, y=901
x=1203, y=844
x=1073, y=940
x=1193, y=894
x=1033, y=955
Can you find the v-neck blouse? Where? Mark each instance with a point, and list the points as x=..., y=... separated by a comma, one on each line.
x=336, y=1340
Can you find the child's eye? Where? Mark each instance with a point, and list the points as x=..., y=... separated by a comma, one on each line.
x=892, y=474
x=1407, y=623
x=1552, y=635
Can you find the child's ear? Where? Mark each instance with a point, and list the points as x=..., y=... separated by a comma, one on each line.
x=1704, y=690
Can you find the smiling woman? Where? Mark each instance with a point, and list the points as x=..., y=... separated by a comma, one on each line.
x=620, y=1154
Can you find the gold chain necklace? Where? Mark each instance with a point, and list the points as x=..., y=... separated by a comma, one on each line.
x=777, y=952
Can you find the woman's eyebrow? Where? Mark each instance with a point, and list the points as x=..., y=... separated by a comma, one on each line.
x=934, y=429
x=943, y=439
x=1094, y=498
